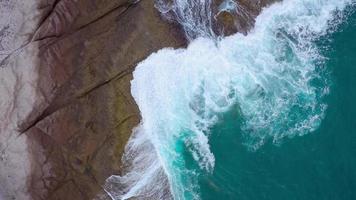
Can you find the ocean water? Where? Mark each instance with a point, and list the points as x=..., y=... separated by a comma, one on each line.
x=318, y=165
x=270, y=115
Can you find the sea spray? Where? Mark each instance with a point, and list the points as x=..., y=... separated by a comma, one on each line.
x=274, y=76
x=195, y=16
x=144, y=174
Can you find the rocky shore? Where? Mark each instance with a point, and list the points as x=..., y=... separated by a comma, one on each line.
x=66, y=110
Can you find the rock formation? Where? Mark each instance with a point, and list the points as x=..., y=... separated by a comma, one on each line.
x=66, y=110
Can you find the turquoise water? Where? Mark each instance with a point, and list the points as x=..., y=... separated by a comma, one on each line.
x=269, y=115
x=319, y=165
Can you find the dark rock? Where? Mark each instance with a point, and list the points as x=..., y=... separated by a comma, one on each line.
x=88, y=50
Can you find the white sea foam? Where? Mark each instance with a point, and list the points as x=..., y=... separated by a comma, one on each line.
x=193, y=15
x=273, y=76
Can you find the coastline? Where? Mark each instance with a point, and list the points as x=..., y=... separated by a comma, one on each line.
x=167, y=121
x=144, y=174
x=82, y=112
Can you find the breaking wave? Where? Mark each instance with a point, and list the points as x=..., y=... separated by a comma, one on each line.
x=274, y=77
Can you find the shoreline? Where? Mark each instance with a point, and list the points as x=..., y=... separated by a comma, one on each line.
x=82, y=112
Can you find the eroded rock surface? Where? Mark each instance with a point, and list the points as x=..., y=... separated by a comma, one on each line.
x=87, y=52
x=65, y=105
